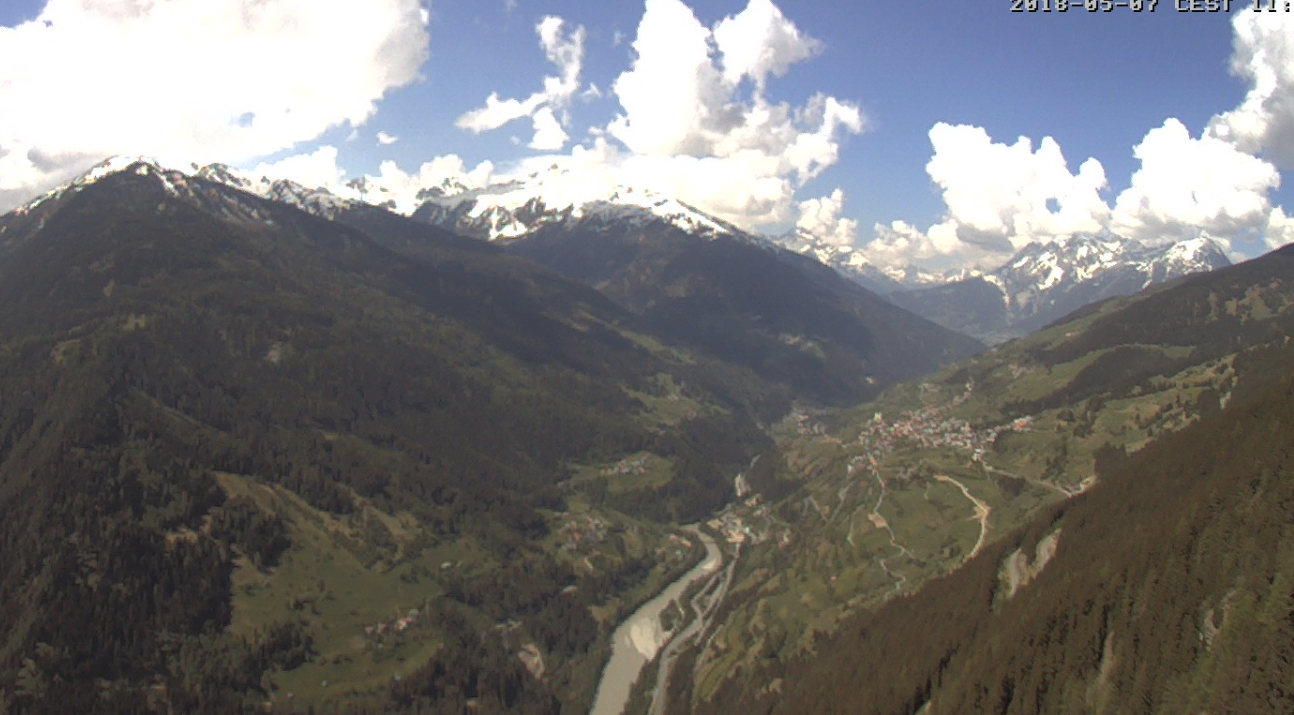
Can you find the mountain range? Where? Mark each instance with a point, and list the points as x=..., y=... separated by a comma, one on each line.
x=1038, y=285
x=242, y=421
x=264, y=447
x=1043, y=283
x=521, y=207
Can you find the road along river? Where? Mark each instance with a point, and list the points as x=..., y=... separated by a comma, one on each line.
x=639, y=638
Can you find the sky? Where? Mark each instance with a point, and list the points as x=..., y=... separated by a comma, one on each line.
x=935, y=134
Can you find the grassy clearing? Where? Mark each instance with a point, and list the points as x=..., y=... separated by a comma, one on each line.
x=322, y=583
x=352, y=604
x=667, y=405
x=636, y=472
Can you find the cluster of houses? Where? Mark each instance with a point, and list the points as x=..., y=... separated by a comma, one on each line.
x=582, y=532
x=741, y=525
x=399, y=625
x=627, y=467
x=931, y=428
x=804, y=423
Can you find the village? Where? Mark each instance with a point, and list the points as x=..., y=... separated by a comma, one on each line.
x=930, y=428
x=580, y=533
x=746, y=521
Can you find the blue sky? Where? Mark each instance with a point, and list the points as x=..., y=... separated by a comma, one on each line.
x=1096, y=83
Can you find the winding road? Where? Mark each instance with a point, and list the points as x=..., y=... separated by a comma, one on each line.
x=982, y=512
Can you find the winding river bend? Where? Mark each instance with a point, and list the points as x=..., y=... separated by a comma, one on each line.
x=639, y=638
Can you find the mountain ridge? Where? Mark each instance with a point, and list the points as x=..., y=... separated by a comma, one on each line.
x=1044, y=282
x=1039, y=284
x=520, y=207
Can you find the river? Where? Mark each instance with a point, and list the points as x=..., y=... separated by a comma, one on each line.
x=639, y=638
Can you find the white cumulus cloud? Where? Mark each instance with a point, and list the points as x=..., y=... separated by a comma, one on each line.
x=999, y=198
x=900, y=244
x=200, y=80
x=696, y=121
x=549, y=135
x=546, y=108
x=446, y=173
x=1264, y=56
x=316, y=170
x=1186, y=186
x=1280, y=229
x=760, y=41
x=673, y=90
x=1005, y=196
x=821, y=217
x=693, y=130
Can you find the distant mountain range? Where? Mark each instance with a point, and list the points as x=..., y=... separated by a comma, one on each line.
x=1038, y=285
x=520, y=208
x=851, y=262
x=1043, y=283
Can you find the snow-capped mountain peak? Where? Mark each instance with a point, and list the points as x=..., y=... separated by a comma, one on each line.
x=178, y=181
x=170, y=177
x=1083, y=258
x=1202, y=251
x=319, y=201
x=1043, y=282
x=519, y=207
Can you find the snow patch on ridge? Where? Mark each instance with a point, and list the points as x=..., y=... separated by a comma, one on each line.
x=507, y=210
x=178, y=181
x=108, y=167
x=517, y=208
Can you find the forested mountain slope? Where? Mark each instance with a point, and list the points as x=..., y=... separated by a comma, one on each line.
x=869, y=505
x=1171, y=590
x=788, y=318
x=233, y=435
x=736, y=298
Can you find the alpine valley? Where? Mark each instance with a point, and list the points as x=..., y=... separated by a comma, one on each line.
x=1038, y=285
x=265, y=449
